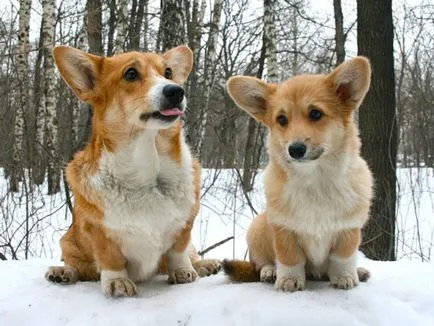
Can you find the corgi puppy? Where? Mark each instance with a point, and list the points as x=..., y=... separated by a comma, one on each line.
x=136, y=186
x=318, y=189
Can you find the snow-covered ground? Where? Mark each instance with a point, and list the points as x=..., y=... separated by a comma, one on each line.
x=399, y=293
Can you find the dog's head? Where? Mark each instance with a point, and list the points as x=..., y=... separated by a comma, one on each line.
x=308, y=116
x=129, y=92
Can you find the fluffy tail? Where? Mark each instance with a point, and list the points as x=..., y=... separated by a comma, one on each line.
x=240, y=271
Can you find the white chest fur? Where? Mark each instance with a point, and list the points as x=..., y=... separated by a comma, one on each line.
x=321, y=201
x=148, y=199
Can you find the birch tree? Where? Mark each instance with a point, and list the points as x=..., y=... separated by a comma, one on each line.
x=209, y=71
x=23, y=73
x=255, y=132
x=122, y=26
x=48, y=7
x=172, y=24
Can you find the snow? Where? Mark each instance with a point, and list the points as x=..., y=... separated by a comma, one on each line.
x=399, y=293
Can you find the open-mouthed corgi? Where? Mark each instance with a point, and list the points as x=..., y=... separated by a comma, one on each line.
x=136, y=186
x=318, y=189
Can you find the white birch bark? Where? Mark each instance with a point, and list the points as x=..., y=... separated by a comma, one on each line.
x=270, y=40
x=48, y=13
x=122, y=26
x=23, y=103
x=209, y=69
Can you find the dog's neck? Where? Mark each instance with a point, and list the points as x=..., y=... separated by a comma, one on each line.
x=136, y=162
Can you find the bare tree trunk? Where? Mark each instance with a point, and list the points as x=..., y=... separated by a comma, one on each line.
x=255, y=132
x=172, y=24
x=112, y=27
x=50, y=97
x=23, y=73
x=339, y=32
x=145, y=27
x=377, y=120
x=270, y=40
x=122, y=26
x=209, y=73
x=136, y=26
x=94, y=26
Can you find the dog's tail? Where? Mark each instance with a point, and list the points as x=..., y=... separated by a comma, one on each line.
x=240, y=271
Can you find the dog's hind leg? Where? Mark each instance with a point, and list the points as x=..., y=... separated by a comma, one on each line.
x=79, y=265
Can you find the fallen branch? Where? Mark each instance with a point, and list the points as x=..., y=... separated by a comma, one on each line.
x=203, y=252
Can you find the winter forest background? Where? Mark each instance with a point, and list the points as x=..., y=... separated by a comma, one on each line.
x=42, y=124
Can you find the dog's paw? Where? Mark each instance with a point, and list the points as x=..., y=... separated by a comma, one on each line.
x=268, y=274
x=62, y=275
x=290, y=284
x=363, y=273
x=207, y=267
x=182, y=275
x=345, y=282
x=119, y=287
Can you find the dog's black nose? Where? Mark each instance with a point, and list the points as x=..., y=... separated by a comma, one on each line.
x=297, y=150
x=174, y=94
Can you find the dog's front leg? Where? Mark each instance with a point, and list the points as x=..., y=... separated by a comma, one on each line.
x=111, y=263
x=290, y=260
x=342, y=265
x=180, y=268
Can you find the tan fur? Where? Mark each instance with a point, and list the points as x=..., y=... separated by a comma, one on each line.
x=316, y=206
x=89, y=246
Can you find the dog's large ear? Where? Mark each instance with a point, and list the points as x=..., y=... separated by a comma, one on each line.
x=250, y=94
x=79, y=69
x=351, y=81
x=180, y=60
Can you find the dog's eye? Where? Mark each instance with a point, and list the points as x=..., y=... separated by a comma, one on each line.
x=168, y=73
x=282, y=120
x=315, y=115
x=131, y=74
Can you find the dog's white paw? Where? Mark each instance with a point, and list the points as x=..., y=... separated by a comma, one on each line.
x=207, y=267
x=62, y=275
x=119, y=287
x=290, y=284
x=345, y=282
x=268, y=274
x=182, y=275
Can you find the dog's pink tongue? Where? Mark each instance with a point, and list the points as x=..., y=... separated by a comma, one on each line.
x=171, y=111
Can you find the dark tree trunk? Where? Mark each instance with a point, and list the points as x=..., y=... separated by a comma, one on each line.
x=377, y=121
x=172, y=24
x=112, y=27
x=339, y=32
x=94, y=26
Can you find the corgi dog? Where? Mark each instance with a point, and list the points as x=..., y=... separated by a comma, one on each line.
x=136, y=186
x=318, y=188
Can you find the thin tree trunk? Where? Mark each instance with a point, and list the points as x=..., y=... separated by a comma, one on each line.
x=23, y=73
x=339, y=32
x=209, y=72
x=255, y=131
x=50, y=97
x=377, y=120
x=94, y=26
x=122, y=26
x=39, y=157
x=145, y=27
x=112, y=27
x=137, y=26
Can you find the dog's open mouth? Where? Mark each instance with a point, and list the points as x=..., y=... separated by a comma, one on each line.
x=167, y=114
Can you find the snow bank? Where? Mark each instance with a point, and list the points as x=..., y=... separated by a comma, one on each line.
x=399, y=293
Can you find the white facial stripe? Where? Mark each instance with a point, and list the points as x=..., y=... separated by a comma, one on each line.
x=156, y=94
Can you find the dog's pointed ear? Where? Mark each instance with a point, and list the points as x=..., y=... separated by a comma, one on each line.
x=180, y=61
x=79, y=69
x=250, y=94
x=351, y=81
